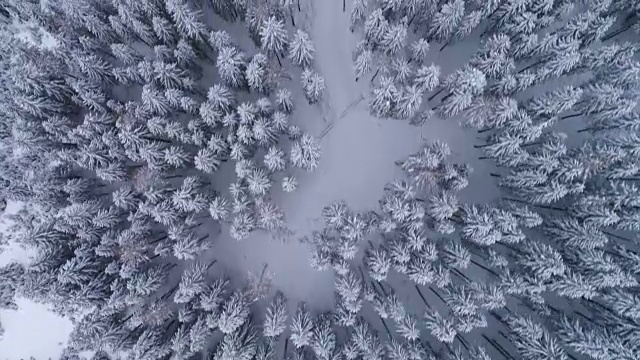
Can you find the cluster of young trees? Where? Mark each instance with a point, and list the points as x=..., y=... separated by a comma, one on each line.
x=123, y=96
x=502, y=280
x=551, y=270
x=118, y=136
x=523, y=44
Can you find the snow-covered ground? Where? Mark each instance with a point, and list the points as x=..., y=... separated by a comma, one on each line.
x=32, y=330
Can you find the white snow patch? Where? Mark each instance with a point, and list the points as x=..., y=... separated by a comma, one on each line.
x=33, y=34
x=33, y=330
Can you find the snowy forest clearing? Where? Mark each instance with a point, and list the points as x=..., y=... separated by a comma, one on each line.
x=358, y=160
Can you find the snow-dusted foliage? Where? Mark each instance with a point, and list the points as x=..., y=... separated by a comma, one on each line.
x=561, y=242
x=275, y=321
x=141, y=127
x=301, y=50
x=117, y=137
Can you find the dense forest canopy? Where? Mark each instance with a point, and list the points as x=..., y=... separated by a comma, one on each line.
x=133, y=132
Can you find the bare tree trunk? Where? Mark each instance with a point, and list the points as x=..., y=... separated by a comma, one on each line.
x=482, y=146
x=460, y=275
x=168, y=293
x=203, y=238
x=484, y=268
x=211, y=264
x=590, y=129
x=618, y=236
x=436, y=94
x=446, y=97
x=499, y=348
x=344, y=5
x=412, y=18
x=384, y=292
x=374, y=75
x=142, y=40
x=438, y=295
x=485, y=130
x=530, y=66
x=286, y=346
x=616, y=33
x=384, y=323
x=158, y=240
x=447, y=43
x=424, y=300
x=170, y=325
x=570, y=116
x=462, y=341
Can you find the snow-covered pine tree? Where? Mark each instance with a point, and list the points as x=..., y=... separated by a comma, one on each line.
x=385, y=98
x=323, y=340
x=227, y=9
x=445, y=21
x=493, y=58
x=301, y=49
x=358, y=14
x=305, y=153
x=192, y=283
x=276, y=317
x=231, y=66
x=363, y=63
x=240, y=344
x=463, y=86
x=530, y=338
x=273, y=37
x=375, y=26
x=313, y=85
x=289, y=184
x=394, y=38
x=256, y=74
x=301, y=326
x=467, y=25
x=235, y=312
x=441, y=328
x=378, y=263
x=188, y=21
